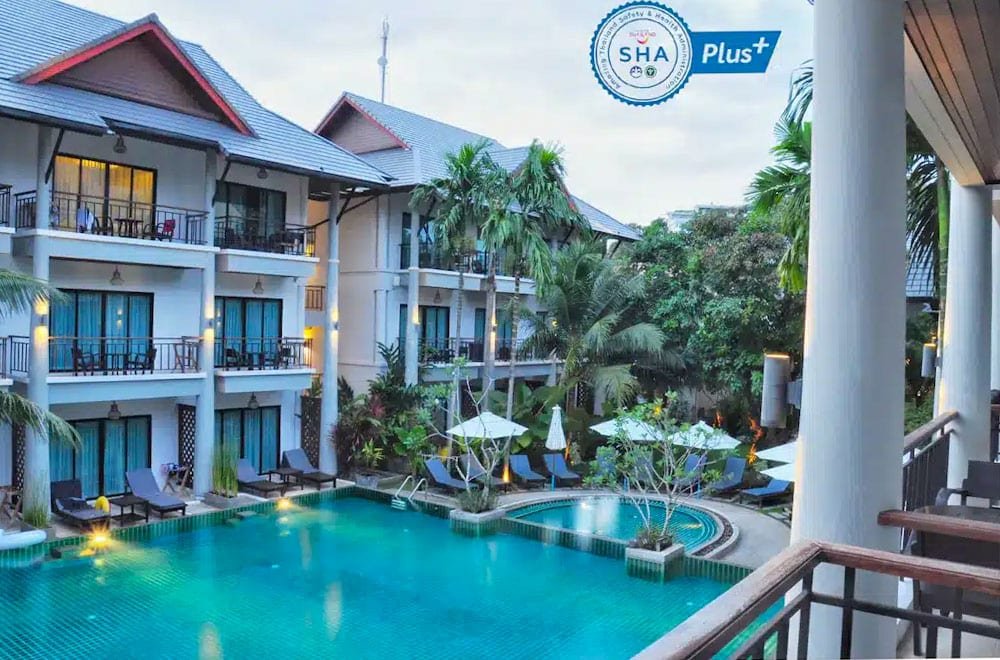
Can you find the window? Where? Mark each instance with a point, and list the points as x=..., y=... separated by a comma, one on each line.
x=108, y=449
x=248, y=210
x=426, y=236
x=252, y=434
x=99, y=323
x=247, y=331
x=88, y=183
x=434, y=325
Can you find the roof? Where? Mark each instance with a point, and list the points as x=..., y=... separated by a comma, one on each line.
x=920, y=280
x=426, y=143
x=37, y=34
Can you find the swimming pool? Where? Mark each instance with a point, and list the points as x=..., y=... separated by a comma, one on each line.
x=618, y=518
x=345, y=578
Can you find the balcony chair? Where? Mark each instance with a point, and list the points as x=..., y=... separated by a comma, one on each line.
x=982, y=481
x=142, y=361
x=280, y=359
x=235, y=359
x=85, y=363
x=186, y=355
x=163, y=231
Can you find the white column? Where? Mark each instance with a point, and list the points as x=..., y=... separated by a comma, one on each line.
x=204, y=438
x=965, y=369
x=381, y=305
x=852, y=409
x=331, y=335
x=382, y=243
x=413, y=304
x=995, y=309
x=36, y=446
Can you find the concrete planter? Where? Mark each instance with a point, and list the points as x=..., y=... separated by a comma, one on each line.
x=652, y=564
x=476, y=524
x=377, y=479
x=221, y=501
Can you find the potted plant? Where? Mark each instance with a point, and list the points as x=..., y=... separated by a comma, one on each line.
x=369, y=458
x=412, y=444
x=225, y=485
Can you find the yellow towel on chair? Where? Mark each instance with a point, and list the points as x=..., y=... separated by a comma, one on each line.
x=102, y=504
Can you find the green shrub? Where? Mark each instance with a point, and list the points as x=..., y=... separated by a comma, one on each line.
x=224, y=479
x=477, y=501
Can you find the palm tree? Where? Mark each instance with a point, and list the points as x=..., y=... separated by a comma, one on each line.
x=20, y=294
x=589, y=323
x=538, y=208
x=463, y=196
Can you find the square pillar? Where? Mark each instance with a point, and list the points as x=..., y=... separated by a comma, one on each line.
x=412, y=349
x=331, y=337
x=204, y=439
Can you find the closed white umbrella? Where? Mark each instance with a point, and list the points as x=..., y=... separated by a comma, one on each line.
x=784, y=472
x=704, y=437
x=557, y=438
x=782, y=453
x=632, y=429
x=487, y=425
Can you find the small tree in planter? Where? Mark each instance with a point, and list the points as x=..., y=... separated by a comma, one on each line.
x=225, y=484
x=648, y=471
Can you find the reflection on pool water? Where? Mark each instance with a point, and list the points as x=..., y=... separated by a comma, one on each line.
x=618, y=518
x=346, y=578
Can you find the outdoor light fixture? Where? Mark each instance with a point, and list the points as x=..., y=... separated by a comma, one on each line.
x=261, y=174
x=116, y=278
x=778, y=392
x=253, y=404
x=437, y=297
x=113, y=412
x=928, y=360
x=258, y=288
x=120, y=147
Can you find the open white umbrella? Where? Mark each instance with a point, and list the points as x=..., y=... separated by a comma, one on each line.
x=704, y=437
x=784, y=472
x=632, y=429
x=557, y=438
x=487, y=425
x=782, y=453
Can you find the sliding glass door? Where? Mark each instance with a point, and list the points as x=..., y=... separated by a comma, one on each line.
x=108, y=449
x=253, y=434
x=247, y=331
x=95, y=330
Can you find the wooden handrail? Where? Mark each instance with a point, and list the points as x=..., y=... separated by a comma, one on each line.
x=976, y=530
x=923, y=433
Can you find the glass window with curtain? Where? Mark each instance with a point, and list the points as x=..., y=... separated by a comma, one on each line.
x=107, y=450
x=247, y=331
x=253, y=434
x=434, y=325
x=249, y=210
x=99, y=326
x=91, y=182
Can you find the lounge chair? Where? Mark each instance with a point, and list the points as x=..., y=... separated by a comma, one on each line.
x=521, y=468
x=249, y=480
x=297, y=459
x=143, y=484
x=556, y=465
x=474, y=468
x=68, y=504
x=732, y=476
x=776, y=488
x=693, y=467
x=439, y=475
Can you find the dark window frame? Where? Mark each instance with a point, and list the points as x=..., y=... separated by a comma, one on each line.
x=219, y=413
x=107, y=178
x=104, y=310
x=222, y=196
x=101, y=443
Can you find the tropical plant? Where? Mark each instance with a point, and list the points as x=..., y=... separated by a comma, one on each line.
x=224, y=473
x=591, y=324
x=413, y=444
x=538, y=207
x=371, y=455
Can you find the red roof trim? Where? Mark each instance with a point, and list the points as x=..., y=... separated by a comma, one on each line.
x=87, y=54
x=345, y=100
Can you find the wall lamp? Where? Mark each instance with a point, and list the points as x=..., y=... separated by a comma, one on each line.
x=928, y=360
x=779, y=391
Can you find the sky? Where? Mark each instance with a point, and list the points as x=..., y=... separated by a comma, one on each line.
x=514, y=70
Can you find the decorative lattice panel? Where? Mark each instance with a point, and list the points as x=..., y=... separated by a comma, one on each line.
x=17, y=456
x=186, y=430
x=310, y=427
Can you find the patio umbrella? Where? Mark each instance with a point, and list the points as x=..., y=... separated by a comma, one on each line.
x=487, y=425
x=702, y=436
x=633, y=429
x=784, y=472
x=557, y=438
x=782, y=453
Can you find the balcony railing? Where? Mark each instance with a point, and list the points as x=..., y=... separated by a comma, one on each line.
x=446, y=349
x=103, y=216
x=433, y=257
x=262, y=353
x=925, y=462
x=525, y=350
x=4, y=205
x=315, y=298
x=236, y=233
x=112, y=356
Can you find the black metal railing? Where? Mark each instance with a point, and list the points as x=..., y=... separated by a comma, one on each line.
x=18, y=354
x=315, y=298
x=104, y=216
x=4, y=205
x=758, y=612
x=525, y=350
x=433, y=257
x=4, y=360
x=925, y=462
x=109, y=356
x=447, y=349
x=236, y=233
x=262, y=353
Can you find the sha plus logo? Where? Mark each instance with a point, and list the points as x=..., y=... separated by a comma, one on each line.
x=643, y=53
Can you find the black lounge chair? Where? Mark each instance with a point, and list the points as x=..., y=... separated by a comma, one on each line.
x=474, y=468
x=521, y=467
x=732, y=476
x=68, y=504
x=143, y=484
x=556, y=465
x=439, y=475
x=776, y=488
x=249, y=480
x=297, y=460
x=693, y=467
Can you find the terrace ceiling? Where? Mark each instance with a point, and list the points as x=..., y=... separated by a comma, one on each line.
x=953, y=83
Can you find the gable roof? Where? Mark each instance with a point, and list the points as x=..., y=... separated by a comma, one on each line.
x=38, y=34
x=425, y=142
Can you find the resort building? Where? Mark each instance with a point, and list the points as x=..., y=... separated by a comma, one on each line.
x=379, y=232
x=137, y=176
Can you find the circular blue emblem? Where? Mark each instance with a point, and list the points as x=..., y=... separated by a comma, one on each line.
x=644, y=38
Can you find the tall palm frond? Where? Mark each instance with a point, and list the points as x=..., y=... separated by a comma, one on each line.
x=20, y=292
x=16, y=410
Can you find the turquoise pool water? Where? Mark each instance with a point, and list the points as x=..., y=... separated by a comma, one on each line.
x=611, y=516
x=347, y=578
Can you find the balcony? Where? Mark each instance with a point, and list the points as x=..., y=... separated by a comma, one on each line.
x=315, y=298
x=4, y=205
x=432, y=257
x=250, y=246
x=260, y=364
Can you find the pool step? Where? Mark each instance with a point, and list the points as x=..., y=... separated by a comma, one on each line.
x=399, y=504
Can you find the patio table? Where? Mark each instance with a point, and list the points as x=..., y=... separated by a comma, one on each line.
x=286, y=473
x=129, y=500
